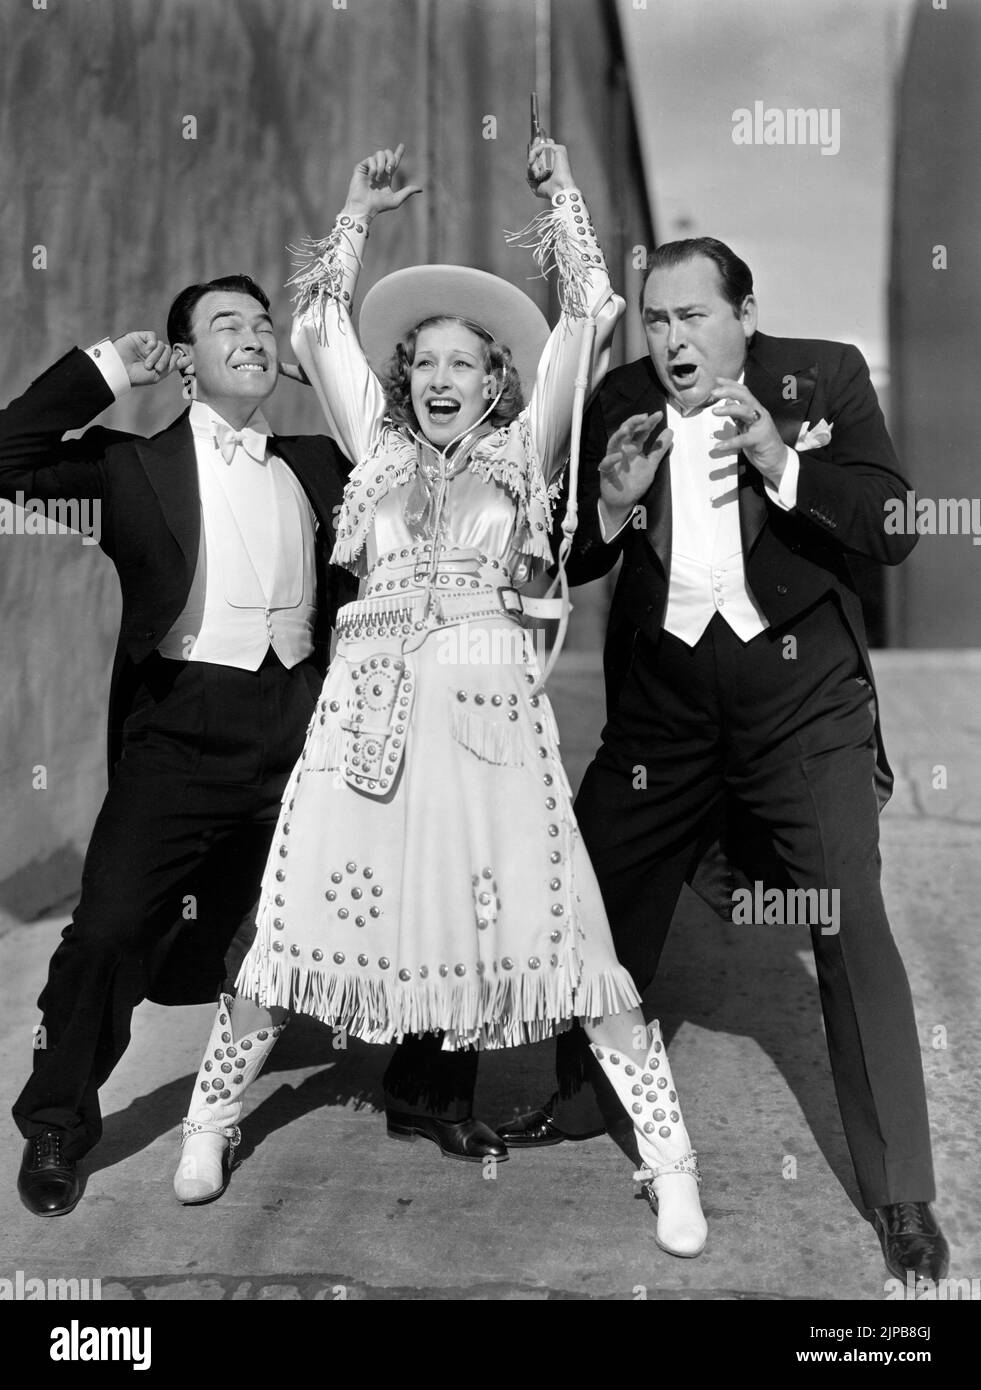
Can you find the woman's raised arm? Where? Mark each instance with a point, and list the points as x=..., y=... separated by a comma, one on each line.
x=323, y=337
x=564, y=238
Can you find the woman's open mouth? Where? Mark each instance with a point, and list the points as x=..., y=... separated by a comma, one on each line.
x=442, y=408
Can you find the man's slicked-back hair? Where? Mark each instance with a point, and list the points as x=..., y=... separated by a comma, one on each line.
x=182, y=310
x=735, y=276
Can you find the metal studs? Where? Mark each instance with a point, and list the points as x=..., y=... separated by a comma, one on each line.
x=205, y=1086
x=662, y=1082
x=359, y=921
x=227, y=1068
x=384, y=962
x=376, y=892
x=665, y=1131
x=355, y=892
x=317, y=955
x=279, y=900
x=507, y=962
x=648, y=1128
x=534, y=962
x=343, y=913
x=212, y=1099
x=553, y=830
x=652, y=1095
x=636, y=1090
x=557, y=910
x=550, y=803
x=460, y=970
x=208, y=1066
x=362, y=960
x=555, y=857
x=481, y=923
x=637, y=1108
x=424, y=972
x=294, y=950
x=351, y=867
x=278, y=923
x=675, y=1116
x=280, y=875
x=246, y=1044
x=614, y=1059
x=555, y=884
x=336, y=877
x=444, y=970
x=555, y=936
x=338, y=957
x=374, y=912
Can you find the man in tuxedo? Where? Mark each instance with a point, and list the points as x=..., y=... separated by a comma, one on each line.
x=739, y=689
x=220, y=533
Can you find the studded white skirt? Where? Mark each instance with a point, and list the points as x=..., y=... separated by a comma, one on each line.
x=427, y=871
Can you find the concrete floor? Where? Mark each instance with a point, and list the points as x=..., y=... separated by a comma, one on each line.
x=324, y=1206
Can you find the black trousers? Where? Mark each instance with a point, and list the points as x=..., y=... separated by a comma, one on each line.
x=421, y=1079
x=179, y=845
x=785, y=730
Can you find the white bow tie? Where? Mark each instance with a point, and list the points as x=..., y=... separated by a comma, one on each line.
x=228, y=440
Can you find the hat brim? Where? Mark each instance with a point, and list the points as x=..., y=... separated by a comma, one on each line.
x=404, y=299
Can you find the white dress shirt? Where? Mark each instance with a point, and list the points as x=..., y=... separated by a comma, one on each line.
x=707, y=566
x=254, y=584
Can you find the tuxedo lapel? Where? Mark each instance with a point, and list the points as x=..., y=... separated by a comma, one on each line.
x=786, y=394
x=169, y=462
x=316, y=476
x=640, y=392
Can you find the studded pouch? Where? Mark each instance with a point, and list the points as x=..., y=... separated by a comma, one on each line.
x=379, y=706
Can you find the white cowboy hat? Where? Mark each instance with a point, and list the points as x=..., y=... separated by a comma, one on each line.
x=400, y=301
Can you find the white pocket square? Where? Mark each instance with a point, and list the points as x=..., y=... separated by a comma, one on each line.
x=815, y=438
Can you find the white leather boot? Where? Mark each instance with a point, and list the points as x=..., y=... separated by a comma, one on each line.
x=670, y=1175
x=209, y=1132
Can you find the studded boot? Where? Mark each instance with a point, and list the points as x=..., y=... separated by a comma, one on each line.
x=209, y=1132
x=670, y=1175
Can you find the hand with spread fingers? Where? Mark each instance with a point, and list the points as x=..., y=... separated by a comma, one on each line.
x=628, y=467
x=756, y=434
x=371, y=190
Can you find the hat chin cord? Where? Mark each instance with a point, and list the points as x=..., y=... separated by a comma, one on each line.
x=549, y=606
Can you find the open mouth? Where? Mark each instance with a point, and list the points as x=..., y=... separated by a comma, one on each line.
x=683, y=374
x=249, y=367
x=442, y=408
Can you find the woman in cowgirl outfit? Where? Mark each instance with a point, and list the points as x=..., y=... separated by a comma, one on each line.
x=427, y=873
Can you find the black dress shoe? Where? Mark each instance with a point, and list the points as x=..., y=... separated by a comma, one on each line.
x=912, y=1241
x=467, y=1139
x=47, y=1182
x=536, y=1129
